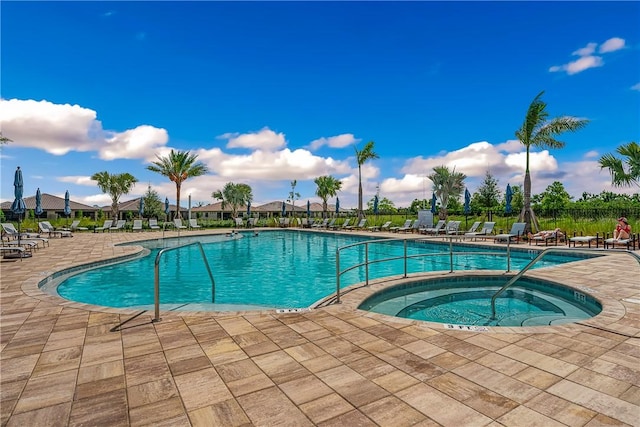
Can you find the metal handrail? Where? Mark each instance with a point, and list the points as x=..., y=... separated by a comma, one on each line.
x=157, y=276
x=539, y=257
x=404, y=256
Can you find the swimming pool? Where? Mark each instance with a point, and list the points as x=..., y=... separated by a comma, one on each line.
x=273, y=269
x=466, y=300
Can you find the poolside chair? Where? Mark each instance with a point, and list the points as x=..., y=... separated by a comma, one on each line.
x=434, y=230
x=406, y=224
x=12, y=251
x=239, y=222
x=193, y=223
x=473, y=228
x=105, y=227
x=153, y=224
x=517, y=229
x=11, y=233
x=384, y=226
x=554, y=237
x=409, y=227
x=177, y=223
x=252, y=222
x=626, y=243
x=485, y=231
x=119, y=225
x=331, y=224
x=344, y=226
x=75, y=226
x=46, y=227
x=358, y=226
x=137, y=225
x=582, y=240
x=452, y=228
x=321, y=224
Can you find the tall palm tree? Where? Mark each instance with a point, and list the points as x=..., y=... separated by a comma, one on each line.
x=115, y=186
x=293, y=196
x=446, y=184
x=235, y=195
x=178, y=166
x=539, y=131
x=362, y=156
x=624, y=173
x=327, y=186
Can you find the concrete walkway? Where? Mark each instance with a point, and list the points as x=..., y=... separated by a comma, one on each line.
x=335, y=366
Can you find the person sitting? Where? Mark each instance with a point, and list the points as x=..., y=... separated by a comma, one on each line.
x=546, y=234
x=623, y=229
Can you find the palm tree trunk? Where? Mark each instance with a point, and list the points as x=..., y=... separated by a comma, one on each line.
x=178, y=201
x=526, y=215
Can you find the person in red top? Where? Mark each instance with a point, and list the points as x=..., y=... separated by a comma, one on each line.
x=623, y=229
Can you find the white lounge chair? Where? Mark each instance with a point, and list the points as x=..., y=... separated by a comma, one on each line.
x=119, y=225
x=105, y=227
x=193, y=223
x=153, y=224
x=486, y=230
x=434, y=230
x=321, y=224
x=177, y=223
x=517, y=230
x=46, y=227
x=406, y=224
x=137, y=225
x=452, y=228
x=409, y=227
x=75, y=226
x=11, y=233
x=239, y=222
x=384, y=226
x=14, y=250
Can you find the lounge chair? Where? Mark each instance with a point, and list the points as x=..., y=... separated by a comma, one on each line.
x=105, y=227
x=626, y=243
x=555, y=237
x=239, y=222
x=452, y=228
x=177, y=223
x=406, y=224
x=252, y=222
x=331, y=224
x=435, y=230
x=75, y=226
x=409, y=227
x=137, y=225
x=46, y=227
x=384, y=226
x=119, y=225
x=359, y=226
x=321, y=224
x=485, y=231
x=11, y=233
x=517, y=229
x=153, y=224
x=14, y=250
x=344, y=226
x=193, y=223
x=474, y=227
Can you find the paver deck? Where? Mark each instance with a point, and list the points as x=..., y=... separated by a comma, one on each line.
x=61, y=364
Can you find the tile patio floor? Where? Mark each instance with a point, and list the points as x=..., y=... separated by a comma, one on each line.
x=60, y=364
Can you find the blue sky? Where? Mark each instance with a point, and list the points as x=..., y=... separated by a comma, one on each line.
x=268, y=92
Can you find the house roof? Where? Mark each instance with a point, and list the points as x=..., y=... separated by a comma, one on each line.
x=134, y=205
x=51, y=203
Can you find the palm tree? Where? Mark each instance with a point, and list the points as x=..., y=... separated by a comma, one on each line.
x=178, y=166
x=539, y=131
x=446, y=184
x=4, y=139
x=293, y=196
x=624, y=173
x=235, y=195
x=115, y=186
x=362, y=156
x=327, y=186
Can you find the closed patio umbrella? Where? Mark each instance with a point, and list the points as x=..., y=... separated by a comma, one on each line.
x=67, y=206
x=284, y=209
x=38, y=211
x=375, y=204
x=18, y=206
x=507, y=201
x=141, y=208
x=249, y=208
x=434, y=209
x=467, y=206
x=337, y=205
x=166, y=207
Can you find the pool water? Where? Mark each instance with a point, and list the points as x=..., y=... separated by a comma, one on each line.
x=274, y=269
x=467, y=301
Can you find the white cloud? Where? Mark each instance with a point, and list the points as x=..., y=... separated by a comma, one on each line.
x=265, y=139
x=134, y=143
x=78, y=180
x=588, y=50
x=54, y=128
x=61, y=128
x=587, y=58
x=339, y=141
x=590, y=154
x=611, y=45
x=636, y=87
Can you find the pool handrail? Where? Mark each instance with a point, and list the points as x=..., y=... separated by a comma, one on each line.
x=157, y=276
x=404, y=256
x=540, y=256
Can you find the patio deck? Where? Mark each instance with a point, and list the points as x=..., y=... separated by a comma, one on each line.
x=61, y=365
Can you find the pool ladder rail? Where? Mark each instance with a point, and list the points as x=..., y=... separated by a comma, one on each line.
x=157, y=275
x=538, y=258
